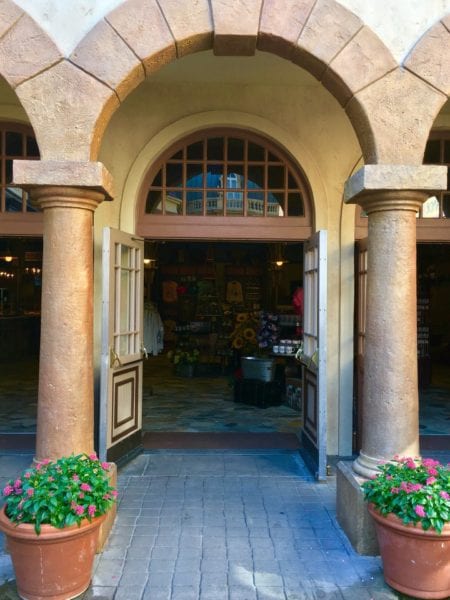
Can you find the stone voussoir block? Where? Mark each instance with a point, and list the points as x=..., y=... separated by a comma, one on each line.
x=10, y=13
x=235, y=26
x=190, y=23
x=142, y=25
x=93, y=54
x=26, y=50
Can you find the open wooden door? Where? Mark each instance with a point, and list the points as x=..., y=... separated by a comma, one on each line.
x=314, y=358
x=360, y=337
x=122, y=345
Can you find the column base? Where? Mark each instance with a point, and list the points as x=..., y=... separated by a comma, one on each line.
x=352, y=513
x=366, y=466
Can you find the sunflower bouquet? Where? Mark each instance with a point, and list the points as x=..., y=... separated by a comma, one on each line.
x=243, y=337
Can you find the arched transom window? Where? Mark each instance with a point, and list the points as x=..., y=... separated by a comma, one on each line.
x=226, y=174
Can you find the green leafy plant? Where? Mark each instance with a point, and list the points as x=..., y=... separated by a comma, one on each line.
x=416, y=491
x=60, y=493
x=184, y=356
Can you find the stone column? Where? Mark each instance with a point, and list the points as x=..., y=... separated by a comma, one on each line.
x=65, y=420
x=390, y=392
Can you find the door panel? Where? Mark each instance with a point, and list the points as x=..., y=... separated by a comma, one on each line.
x=122, y=346
x=314, y=368
x=361, y=256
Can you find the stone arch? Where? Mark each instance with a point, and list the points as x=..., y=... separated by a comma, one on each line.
x=320, y=36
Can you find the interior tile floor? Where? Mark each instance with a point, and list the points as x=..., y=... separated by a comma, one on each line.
x=198, y=404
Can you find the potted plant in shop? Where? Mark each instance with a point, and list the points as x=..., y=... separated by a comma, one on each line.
x=184, y=360
x=51, y=519
x=409, y=500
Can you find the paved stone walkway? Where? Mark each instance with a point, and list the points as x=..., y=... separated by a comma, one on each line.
x=229, y=526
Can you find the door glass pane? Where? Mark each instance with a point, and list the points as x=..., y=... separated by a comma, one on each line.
x=215, y=149
x=447, y=151
x=275, y=204
x=214, y=203
x=13, y=199
x=14, y=145
x=173, y=202
x=432, y=152
x=235, y=149
x=125, y=257
x=235, y=203
x=276, y=177
x=255, y=152
x=174, y=175
x=154, y=203
x=295, y=205
x=32, y=147
x=194, y=203
x=255, y=177
x=195, y=151
x=8, y=170
x=194, y=175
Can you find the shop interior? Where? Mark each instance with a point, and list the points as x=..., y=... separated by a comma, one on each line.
x=208, y=298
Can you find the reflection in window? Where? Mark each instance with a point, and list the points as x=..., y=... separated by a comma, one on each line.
x=430, y=208
x=16, y=142
x=226, y=176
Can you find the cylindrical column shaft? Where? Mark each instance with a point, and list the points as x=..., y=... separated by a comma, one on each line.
x=65, y=421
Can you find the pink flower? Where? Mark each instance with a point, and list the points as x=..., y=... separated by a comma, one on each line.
x=93, y=456
x=419, y=510
x=75, y=478
x=8, y=490
x=79, y=509
x=81, y=495
x=85, y=487
x=114, y=493
x=18, y=483
x=106, y=497
x=429, y=462
x=395, y=490
x=27, y=475
x=50, y=479
x=431, y=480
x=432, y=471
x=410, y=463
x=91, y=510
x=444, y=495
x=46, y=461
x=30, y=491
x=105, y=466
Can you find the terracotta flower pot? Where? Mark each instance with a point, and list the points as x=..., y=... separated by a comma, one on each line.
x=415, y=562
x=55, y=565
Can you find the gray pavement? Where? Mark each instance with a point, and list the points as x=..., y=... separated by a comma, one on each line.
x=223, y=526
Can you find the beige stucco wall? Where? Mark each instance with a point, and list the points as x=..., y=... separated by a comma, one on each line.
x=273, y=97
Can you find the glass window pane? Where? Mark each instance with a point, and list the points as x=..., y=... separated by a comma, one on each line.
x=235, y=203
x=235, y=176
x=275, y=204
x=157, y=181
x=31, y=206
x=255, y=204
x=295, y=205
x=432, y=152
x=255, y=152
x=430, y=209
x=14, y=143
x=235, y=149
x=32, y=147
x=173, y=202
x=214, y=203
x=255, y=177
x=447, y=151
x=194, y=203
x=8, y=170
x=177, y=156
x=276, y=177
x=154, y=203
x=214, y=176
x=273, y=158
x=125, y=256
x=292, y=183
x=174, y=175
x=195, y=151
x=446, y=206
x=194, y=175
x=13, y=199
x=215, y=149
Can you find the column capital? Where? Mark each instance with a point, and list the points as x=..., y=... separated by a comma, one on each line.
x=394, y=187
x=86, y=176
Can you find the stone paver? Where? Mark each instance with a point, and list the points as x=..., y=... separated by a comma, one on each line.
x=226, y=526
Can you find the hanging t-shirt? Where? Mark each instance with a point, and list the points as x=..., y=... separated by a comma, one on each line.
x=234, y=292
x=169, y=291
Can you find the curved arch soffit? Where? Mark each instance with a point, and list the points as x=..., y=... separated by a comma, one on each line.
x=149, y=35
x=132, y=190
